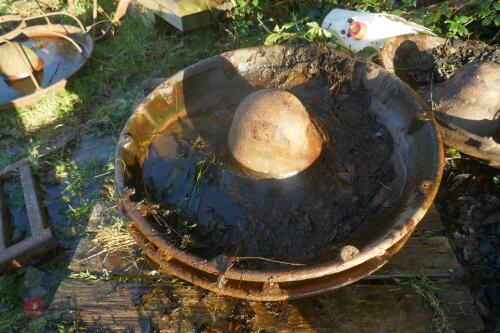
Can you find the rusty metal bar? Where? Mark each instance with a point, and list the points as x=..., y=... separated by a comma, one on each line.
x=41, y=239
x=32, y=200
x=27, y=248
x=45, y=16
x=69, y=39
x=26, y=61
x=17, y=30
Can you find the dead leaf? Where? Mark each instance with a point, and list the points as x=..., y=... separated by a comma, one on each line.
x=406, y=302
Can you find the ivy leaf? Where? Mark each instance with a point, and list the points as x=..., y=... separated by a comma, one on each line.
x=487, y=21
x=484, y=4
x=312, y=24
x=367, y=53
x=271, y=39
x=496, y=5
x=497, y=20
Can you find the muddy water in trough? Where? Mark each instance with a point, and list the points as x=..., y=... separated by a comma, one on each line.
x=210, y=205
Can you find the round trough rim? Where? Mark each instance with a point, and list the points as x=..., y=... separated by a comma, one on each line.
x=84, y=41
x=174, y=260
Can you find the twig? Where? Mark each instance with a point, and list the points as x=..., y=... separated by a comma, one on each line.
x=404, y=172
x=386, y=187
x=271, y=260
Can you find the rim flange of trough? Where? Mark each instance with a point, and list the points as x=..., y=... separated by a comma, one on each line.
x=372, y=256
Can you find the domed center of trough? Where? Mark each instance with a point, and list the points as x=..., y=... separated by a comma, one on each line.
x=272, y=134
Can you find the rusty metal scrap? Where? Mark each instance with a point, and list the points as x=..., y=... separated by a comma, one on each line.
x=41, y=239
x=29, y=69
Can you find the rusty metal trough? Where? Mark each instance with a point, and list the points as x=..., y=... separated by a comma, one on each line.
x=418, y=161
x=473, y=140
x=37, y=59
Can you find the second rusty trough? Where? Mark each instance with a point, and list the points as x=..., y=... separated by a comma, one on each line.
x=417, y=159
x=37, y=59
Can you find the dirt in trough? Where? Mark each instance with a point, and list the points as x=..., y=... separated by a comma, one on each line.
x=210, y=205
x=441, y=62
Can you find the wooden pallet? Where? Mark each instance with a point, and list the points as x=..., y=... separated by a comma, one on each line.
x=135, y=301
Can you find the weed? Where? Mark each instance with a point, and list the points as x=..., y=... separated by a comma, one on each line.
x=427, y=289
x=36, y=325
x=452, y=153
x=66, y=327
x=85, y=276
x=11, y=310
x=478, y=19
x=114, y=238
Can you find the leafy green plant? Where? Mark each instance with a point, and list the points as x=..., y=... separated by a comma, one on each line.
x=490, y=13
x=457, y=26
x=452, y=153
x=293, y=31
x=477, y=19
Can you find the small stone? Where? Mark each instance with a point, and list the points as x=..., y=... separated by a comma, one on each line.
x=348, y=252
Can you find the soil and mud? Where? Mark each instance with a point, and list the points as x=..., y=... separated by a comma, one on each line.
x=440, y=63
x=210, y=205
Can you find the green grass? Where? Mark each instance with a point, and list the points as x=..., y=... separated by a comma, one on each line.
x=11, y=306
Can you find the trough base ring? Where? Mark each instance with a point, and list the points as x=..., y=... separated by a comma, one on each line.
x=258, y=291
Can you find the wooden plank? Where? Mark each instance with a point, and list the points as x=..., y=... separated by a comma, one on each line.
x=431, y=255
x=430, y=224
x=184, y=14
x=89, y=255
x=144, y=306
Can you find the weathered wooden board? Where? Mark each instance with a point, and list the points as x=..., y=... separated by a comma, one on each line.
x=432, y=256
x=185, y=14
x=377, y=303
x=144, y=306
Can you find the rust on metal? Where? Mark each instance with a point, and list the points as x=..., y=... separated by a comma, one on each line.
x=41, y=239
x=454, y=126
x=36, y=59
x=418, y=157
